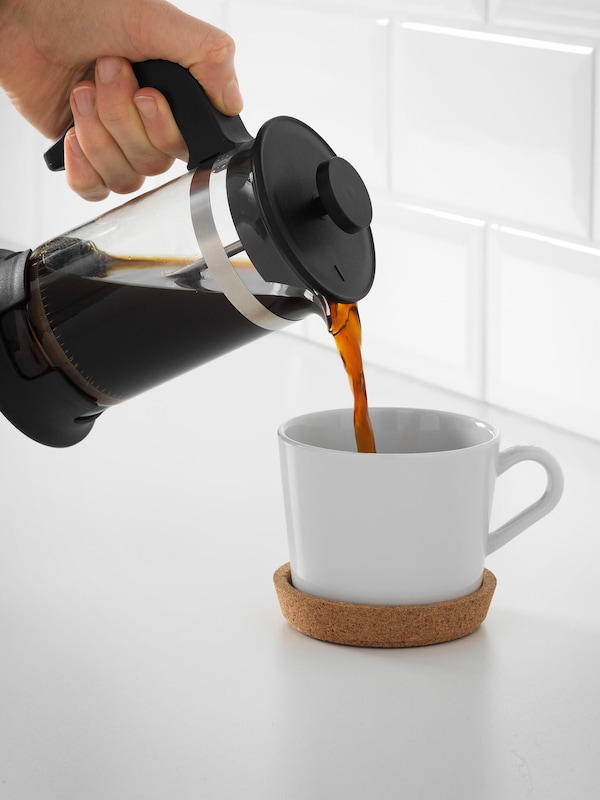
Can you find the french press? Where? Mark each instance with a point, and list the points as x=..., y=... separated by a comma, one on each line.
x=258, y=233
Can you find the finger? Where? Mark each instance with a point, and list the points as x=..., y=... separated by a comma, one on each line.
x=161, y=128
x=115, y=88
x=101, y=150
x=81, y=176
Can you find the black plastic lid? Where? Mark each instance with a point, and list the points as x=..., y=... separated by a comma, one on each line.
x=315, y=208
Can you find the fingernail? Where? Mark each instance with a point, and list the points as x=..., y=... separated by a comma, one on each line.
x=108, y=68
x=232, y=97
x=146, y=106
x=73, y=142
x=84, y=98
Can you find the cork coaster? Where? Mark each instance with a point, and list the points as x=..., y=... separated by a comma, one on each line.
x=382, y=626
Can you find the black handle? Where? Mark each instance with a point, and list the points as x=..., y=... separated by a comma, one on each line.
x=206, y=132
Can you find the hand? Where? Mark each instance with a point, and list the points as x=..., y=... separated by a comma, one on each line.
x=63, y=59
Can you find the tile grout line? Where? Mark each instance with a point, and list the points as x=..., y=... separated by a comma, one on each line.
x=483, y=299
x=389, y=104
x=593, y=148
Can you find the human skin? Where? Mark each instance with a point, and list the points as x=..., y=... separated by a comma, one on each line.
x=63, y=60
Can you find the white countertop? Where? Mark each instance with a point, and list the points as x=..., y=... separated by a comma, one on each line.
x=144, y=655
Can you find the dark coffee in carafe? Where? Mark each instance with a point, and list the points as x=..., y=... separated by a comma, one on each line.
x=115, y=338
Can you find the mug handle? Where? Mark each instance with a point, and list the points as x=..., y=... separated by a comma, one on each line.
x=554, y=489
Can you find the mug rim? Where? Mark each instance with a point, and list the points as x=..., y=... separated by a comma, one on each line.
x=285, y=437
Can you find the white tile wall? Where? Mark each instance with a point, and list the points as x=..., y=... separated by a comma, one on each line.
x=580, y=17
x=472, y=10
x=474, y=124
x=423, y=314
x=544, y=328
x=493, y=124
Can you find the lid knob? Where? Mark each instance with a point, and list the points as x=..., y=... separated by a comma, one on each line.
x=343, y=196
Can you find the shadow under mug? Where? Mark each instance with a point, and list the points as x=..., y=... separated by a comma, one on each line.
x=406, y=525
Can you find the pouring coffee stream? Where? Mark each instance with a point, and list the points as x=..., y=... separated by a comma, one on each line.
x=259, y=233
x=347, y=330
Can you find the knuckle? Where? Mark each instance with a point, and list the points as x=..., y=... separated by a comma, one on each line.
x=221, y=47
x=114, y=115
x=127, y=185
x=158, y=166
x=152, y=162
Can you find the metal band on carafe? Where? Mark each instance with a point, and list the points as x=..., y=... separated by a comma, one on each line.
x=208, y=193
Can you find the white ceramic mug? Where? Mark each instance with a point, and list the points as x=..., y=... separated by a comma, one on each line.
x=408, y=524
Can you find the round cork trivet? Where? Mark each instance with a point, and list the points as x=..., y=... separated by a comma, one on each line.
x=382, y=626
